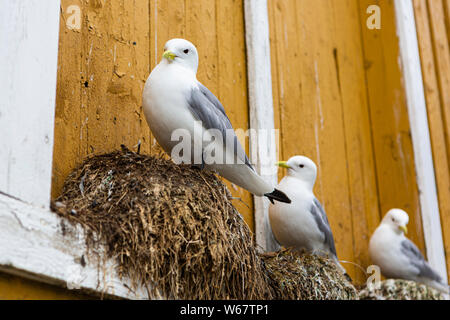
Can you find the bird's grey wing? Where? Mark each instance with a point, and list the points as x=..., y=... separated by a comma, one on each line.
x=207, y=108
x=324, y=226
x=416, y=258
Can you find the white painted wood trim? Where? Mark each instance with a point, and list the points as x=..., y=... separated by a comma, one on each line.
x=33, y=245
x=412, y=74
x=262, y=143
x=28, y=53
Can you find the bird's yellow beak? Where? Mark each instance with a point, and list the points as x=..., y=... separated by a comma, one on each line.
x=169, y=55
x=404, y=229
x=283, y=164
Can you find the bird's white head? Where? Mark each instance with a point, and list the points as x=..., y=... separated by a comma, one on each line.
x=396, y=219
x=181, y=52
x=302, y=168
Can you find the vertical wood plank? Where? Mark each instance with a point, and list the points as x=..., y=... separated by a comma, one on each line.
x=417, y=111
x=16, y=288
x=68, y=127
x=332, y=186
x=394, y=156
x=435, y=119
x=442, y=59
x=103, y=68
x=361, y=169
x=309, y=107
x=102, y=72
x=447, y=16
x=29, y=52
x=232, y=83
x=339, y=99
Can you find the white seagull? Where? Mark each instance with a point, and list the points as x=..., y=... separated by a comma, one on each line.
x=302, y=224
x=174, y=99
x=397, y=256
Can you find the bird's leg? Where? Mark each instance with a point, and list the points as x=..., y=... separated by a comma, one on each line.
x=201, y=166
x=138, y=146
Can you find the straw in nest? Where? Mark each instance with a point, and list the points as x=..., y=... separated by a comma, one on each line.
x=400, y=290
x=301, y=276
x=171, y=228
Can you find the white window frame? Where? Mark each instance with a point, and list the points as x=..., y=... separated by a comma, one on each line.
x=32, y=244
x=32, y=241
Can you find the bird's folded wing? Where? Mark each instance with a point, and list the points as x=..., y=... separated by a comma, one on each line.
x=207, y=108
x=322, y=222
x=416, y=258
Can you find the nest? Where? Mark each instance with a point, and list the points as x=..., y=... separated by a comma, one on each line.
x=400, y=290
x=297, y=276
x=171, y=228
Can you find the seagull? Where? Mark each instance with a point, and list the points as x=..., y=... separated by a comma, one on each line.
x=397, y=256
x=302, y=224
x=176, y=104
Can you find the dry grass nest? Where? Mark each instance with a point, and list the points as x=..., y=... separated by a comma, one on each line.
x=301, y=276
x=173, y=229
x=170, y=227
x=396, y=289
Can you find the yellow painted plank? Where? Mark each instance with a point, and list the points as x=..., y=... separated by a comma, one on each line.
x=447, y=17
x=167, y=21
x=348, y=53
x=435, y=119
x=310, y=114
x=103, y=68
x=68, y=126
x=232, y=83
x=442, y=59
x=114, y=69
x=16, y=288
x=323, y=96
x=339, y=99
x=210, y=24
x=394, y=158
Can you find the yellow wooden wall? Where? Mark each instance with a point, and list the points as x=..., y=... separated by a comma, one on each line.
x=104, y=66
x=17, y=288
x=433, y=30
x=339, y=99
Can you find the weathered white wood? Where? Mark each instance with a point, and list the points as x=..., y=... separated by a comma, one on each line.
x=28, y=66
x=262, y=139
x=33, y=245
x=412, y=74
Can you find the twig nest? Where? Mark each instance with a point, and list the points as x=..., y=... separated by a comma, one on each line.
x=302, y=276
x=171, y=228
x=392, y=289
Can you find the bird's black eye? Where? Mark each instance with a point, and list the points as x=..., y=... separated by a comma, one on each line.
x=302, y=165
x=393, y=220
x=186, y=51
